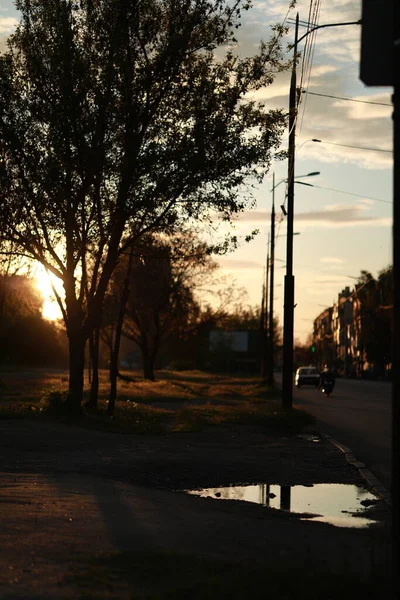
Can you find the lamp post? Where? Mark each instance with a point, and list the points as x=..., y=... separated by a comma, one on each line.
x=288, y=311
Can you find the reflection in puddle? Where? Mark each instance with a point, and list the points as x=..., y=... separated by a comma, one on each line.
x=333, y=503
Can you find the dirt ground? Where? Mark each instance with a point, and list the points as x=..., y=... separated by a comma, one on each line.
x=70, y=496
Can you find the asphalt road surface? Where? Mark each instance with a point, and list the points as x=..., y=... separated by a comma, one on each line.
x=357, y=414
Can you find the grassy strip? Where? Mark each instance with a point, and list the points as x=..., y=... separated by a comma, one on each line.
x=178, y=403
x=160, y=576
x=194, y=418
x=132, y=417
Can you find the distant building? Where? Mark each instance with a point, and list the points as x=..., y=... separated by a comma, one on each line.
x=338, y=335
x=323, y=338
x=342, y=328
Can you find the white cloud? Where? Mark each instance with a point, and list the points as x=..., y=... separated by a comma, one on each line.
x=233, y=265
x=335, y=71
x=357, y=110
x=341, y=216
x=331, y=260
x=255, y=216
x=7, y=24
x=321, y=70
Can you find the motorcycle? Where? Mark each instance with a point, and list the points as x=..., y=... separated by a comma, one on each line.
x=327, y=387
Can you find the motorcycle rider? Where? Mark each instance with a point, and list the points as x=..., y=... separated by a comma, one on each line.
x=326, y=376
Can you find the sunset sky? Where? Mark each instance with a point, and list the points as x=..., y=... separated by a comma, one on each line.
x=340, y=234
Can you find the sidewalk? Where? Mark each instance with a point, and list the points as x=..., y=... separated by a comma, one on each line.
x=70, y=496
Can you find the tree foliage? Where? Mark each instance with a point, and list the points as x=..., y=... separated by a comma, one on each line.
x=117, y=116
x=164, y=276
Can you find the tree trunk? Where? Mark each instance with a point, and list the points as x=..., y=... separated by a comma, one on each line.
x=76, y=372
x=114, y=356
x=94, y=357
x=148, y=362
x=90, y=359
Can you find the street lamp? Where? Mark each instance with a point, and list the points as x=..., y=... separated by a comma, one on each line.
x=283, y=209
x=284, y=235
x=288, y=324
x=312, y=174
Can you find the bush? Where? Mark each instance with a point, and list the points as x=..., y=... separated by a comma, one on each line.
x=53, y=402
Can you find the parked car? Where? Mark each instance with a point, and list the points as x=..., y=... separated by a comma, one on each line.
x=306, y=376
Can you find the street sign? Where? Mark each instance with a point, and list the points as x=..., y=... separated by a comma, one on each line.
x=377, y=42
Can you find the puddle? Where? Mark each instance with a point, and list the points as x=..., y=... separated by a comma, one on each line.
x=332, y=503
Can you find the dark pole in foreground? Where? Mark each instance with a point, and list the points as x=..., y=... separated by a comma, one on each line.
x=396, y=297
x=270, y=364
x=288, y=310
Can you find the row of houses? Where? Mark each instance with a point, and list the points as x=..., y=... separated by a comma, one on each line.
x=338, y=338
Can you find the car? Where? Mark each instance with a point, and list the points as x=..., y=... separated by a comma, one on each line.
x=307, y=376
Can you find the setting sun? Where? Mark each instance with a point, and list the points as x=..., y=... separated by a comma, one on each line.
x=43, y=281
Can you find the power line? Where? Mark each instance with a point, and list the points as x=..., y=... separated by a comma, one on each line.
x=308, y=56
x=348, y=99
x=348, y=193
x=358, y=147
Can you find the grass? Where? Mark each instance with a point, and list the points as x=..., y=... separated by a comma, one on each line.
x=175, y=402
x=194, y=418
x=159, y=576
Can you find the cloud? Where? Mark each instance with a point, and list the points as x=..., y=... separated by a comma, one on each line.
x=329, y=281
x=341, y=216
x=7, y=25
x=336, y=121
x=366, y=112
x=331, y=215
x=335, y=71
x=254, y=216
x=321, y=70
x=229, y=265
x=331, y=259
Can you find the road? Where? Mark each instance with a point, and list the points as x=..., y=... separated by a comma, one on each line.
x=357, y=414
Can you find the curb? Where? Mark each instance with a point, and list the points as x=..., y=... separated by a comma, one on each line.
x=372, y=481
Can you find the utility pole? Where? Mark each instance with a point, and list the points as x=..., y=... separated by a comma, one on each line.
x=270, y=364
x=288, y=309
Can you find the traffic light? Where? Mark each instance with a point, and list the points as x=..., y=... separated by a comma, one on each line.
x=313, y=348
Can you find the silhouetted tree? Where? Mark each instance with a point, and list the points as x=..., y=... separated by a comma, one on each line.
x=118, y=115
x=155, y=287
x=25, y=337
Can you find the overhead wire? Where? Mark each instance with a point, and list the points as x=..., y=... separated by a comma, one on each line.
x=314, y=18
x=350, y=193
x=306, y=65
x=348, y=99
x=359, y=147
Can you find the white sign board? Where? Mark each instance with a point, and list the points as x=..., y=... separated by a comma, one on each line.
x=237, y=341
